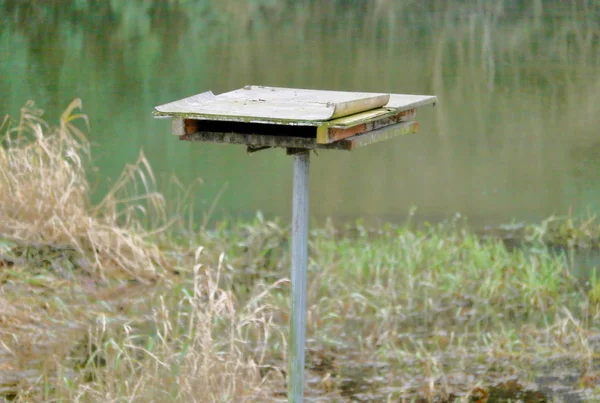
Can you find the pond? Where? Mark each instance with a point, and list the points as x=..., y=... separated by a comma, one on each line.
x=514, y=137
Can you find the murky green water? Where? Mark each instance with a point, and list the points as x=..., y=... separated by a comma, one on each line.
x=515, y=136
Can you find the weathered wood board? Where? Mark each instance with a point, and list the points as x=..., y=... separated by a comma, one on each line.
x=360, y=123
x=329, y=132
x=258, y=140
x=253, y=103
x=288, y=106
x=263, y=117
x=402, y=102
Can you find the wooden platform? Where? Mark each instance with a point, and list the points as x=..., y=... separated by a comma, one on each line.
x=262, y=117
x=259, y=140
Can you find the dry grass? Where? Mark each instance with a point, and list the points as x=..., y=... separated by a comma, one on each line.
x=45, y=192
x=84, y=287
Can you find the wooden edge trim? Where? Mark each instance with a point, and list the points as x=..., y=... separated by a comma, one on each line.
x=326, y=135
x=383, y=134
x=347, y=144
x=177, y=127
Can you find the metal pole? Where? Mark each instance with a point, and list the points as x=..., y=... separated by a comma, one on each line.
x=299, y=268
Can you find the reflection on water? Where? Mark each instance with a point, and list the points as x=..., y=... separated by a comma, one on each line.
x=513, y=137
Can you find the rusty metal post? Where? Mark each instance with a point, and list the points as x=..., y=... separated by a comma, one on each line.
x=298, y=276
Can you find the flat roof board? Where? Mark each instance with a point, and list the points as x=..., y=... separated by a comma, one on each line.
x=331, y=104
x=286, y=106
x=273, y=103
x=315, y=118
x=402, y=102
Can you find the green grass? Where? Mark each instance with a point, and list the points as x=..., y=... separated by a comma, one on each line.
x=117, y=302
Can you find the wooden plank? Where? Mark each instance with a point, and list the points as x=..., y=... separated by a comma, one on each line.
x=361, y=123
x=383, y=134
x=188, y=126
x=335, y=103
x=403, y=102
x=182, y=105
x=273, y=104
x=239, y=119
x=353, y=120
x=177, y=127
x=261, y=140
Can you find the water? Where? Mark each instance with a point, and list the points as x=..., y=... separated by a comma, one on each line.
x=514, y=137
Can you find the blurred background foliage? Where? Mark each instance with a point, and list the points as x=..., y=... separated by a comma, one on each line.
x=514, y=135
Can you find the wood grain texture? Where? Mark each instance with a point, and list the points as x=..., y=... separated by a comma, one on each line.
x=288, y=106
x=383, y=134
x=177, y=127
x=274, y=104
x=329, y=134
x=402, y=102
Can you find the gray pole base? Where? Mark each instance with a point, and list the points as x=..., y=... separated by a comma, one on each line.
x=298, y=277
